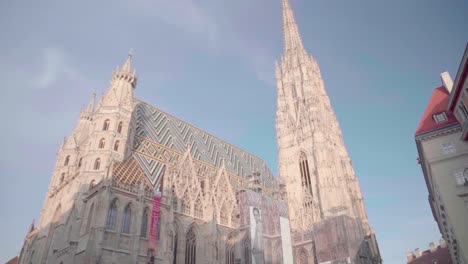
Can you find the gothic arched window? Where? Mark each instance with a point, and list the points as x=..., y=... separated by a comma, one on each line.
x=159, y=228
x=247, y=257
x=91, y=184
x=106, y=125
x=119, y=128
x=185, y=204
x=303, y=258
x=191, y=247
x=90, y=218
x=80, y=162
x=97, y=164
x=67, y=160
x=174, y=252
x=174, y=199
x=230, y=251
x=62, y=177
x=223, y=215
x=144, y=223
x=278, y=253
x=116, y=146
x=111, y=215
x=102, y=143
x=127, y=219
x=235, y=217
x=198, y=208
x=305, y=173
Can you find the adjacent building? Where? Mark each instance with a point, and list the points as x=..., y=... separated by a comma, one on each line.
x=442, y=143
x=133, y=184
x=436, y=254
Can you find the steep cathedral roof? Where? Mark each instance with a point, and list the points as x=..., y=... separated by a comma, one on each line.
x=162, y=139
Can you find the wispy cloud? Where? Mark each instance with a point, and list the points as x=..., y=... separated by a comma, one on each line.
x=191, y=17
x=186, y=15
x=54, y=66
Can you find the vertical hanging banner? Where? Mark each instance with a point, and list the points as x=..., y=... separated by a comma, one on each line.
x=153, y=235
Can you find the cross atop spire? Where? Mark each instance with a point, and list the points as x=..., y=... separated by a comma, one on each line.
x=292, y=39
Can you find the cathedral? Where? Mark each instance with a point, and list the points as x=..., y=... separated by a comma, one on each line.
x=134, y=184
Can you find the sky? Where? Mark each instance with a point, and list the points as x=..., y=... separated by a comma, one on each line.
x=211, y=63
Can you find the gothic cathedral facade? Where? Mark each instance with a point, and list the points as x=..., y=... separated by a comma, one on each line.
x=123, y=152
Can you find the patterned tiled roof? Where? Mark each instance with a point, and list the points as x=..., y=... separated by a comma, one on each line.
x=161, y=139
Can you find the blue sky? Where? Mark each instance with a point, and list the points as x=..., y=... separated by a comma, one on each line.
x=211, y=63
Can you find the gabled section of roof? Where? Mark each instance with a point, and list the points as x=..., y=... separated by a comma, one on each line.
x=437, y=104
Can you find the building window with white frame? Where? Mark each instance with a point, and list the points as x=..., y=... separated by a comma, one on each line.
x=440, y=117
x=461, y=177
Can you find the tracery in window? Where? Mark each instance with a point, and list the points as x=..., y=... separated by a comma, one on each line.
x=185, y=204
x=126, y=219
x=223, y=215
x=230, y=258
x=191, y=247
x=305, y=174
x=111, y=215
x=198, y=208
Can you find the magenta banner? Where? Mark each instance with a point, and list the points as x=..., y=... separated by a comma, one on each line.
x=153, y=236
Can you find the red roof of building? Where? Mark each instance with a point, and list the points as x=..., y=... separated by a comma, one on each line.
x=440, y=256
x=437, y=104
x=13, y=261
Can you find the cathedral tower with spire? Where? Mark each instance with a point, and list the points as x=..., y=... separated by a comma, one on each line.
x=323, y=190
x=134, y=184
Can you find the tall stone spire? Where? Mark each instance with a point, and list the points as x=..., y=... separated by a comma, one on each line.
x=313, y=162
x=127, y=66
x=120, y=92
x=292, y=39
x=91, y=103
